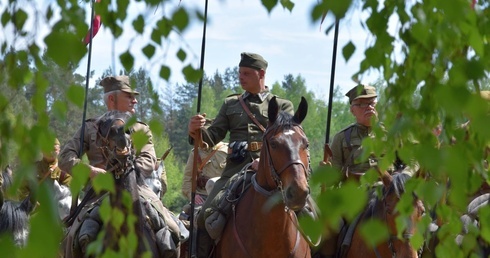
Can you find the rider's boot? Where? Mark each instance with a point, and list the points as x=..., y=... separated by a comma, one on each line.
x=204, y=245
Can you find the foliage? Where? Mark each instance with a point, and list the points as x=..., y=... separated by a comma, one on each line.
x=433, y=65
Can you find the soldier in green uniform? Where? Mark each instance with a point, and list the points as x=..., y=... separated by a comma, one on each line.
x=118, y=97
x=245, y=133
x=346, y=145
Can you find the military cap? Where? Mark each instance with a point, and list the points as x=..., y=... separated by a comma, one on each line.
x=112, y=83
x=485, y=94
x=361, y=92
x=56, y=141
x=252, y=60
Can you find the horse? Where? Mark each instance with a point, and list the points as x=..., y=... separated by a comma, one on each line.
x=384, y=209
x=14, y=215
x=470, y=222
x=257, y=228
x=140, y=216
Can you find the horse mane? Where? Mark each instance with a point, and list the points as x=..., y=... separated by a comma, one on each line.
x=14, y=215
x=396, y=187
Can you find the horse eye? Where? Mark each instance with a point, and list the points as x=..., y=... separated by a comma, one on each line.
x=273, y=144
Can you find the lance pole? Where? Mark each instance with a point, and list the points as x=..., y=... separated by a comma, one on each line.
x=197, y=140
x=75, y=208
x=327, y=153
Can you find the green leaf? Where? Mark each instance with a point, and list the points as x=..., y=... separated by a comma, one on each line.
x=191, y=74
x=181, y=55
x=374, y=232
x=139, y=24
x=165, y=72
x=140, y=139
x=127, y=60
x=156, y=36
x=269, y=4
x=5, y=17
x=348, y=50
x=19, y=19
x=180, y=19
x=56, y=42
x=149, y=50
x=287, y=4
x=103, y=182
x=76, y=95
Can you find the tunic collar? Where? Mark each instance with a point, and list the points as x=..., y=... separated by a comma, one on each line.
x=262, y=95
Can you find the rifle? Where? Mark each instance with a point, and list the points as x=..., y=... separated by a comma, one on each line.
x=164, y=156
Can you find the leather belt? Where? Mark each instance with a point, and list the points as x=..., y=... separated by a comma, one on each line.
x=255, y=146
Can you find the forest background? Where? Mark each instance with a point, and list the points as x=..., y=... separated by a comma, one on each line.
x=433, y=66
x=169, y=111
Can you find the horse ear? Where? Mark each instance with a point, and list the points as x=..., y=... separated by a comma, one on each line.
x=28, y=203
x=300, y=114
x=273, y=110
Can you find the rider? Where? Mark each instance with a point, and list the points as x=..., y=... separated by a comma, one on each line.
x=118, y=96
x=245, y=130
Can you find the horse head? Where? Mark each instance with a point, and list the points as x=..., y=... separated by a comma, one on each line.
x=115, y=140
x=285, y=155
x=393, y=188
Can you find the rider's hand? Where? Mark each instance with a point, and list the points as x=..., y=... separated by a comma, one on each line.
x=95, y=171
x=196, y=123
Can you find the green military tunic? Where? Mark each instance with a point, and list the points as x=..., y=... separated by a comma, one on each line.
x=233, y=118
x=69, y=155
x=346, y=152
x=347, y=149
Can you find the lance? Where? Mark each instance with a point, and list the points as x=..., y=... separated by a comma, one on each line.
x=327, y=152
x=75, y=208
x=198, y=140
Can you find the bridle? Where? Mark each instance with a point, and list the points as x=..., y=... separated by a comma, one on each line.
x=278, y=186
x=407, y=235
x=118, y=157
x=275, y=173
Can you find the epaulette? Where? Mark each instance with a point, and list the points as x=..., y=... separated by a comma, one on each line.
x=234, y=94
x=349, y=126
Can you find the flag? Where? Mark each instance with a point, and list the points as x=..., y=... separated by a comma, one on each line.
x=96, y=26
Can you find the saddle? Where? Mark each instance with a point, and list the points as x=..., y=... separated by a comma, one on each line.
x=220, y=209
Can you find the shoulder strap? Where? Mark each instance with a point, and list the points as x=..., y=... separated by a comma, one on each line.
x=205, y=161
x=347, y=134
x=250, y=114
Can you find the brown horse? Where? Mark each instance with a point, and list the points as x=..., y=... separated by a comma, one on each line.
x=258, y=228
x=384, y=209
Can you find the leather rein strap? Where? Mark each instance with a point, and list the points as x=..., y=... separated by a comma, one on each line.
x=240, y=98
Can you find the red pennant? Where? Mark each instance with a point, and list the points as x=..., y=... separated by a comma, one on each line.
x=96, y=26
